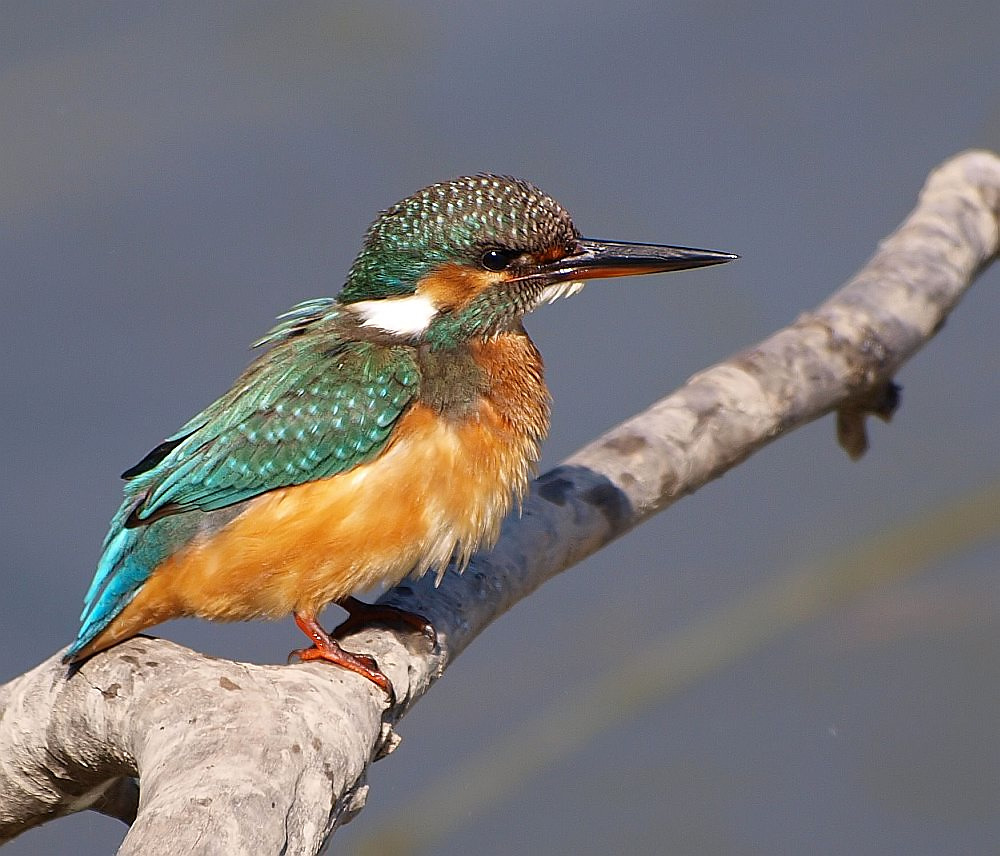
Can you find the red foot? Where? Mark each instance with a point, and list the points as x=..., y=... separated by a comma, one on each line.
x=362, y=614
x=326, y=648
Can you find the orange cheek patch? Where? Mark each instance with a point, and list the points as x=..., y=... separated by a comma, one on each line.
x=451, y=286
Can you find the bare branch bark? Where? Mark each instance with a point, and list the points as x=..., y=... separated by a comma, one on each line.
x=237, y=758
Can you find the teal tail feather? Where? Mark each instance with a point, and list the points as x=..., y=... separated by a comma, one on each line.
x=129, y=557
x=131, y=554
x=117, y=580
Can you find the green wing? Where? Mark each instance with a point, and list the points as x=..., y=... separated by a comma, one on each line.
x=312, y=407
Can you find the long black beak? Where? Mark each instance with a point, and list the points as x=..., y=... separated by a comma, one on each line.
x=609, y=258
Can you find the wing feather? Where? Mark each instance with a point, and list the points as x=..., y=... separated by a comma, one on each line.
x=314, y=406
x=305, y=411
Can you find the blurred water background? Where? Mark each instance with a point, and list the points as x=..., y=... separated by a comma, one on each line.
x=174, y=175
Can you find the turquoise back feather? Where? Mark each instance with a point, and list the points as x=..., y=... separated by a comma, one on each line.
x=316, y=405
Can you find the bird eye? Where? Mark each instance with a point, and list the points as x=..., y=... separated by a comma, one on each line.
x=497, y=259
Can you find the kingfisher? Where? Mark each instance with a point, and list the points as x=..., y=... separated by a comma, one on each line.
x=384, y=432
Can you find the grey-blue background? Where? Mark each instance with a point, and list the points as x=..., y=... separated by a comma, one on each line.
x=174, y=175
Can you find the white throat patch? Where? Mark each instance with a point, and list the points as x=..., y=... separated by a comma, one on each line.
x=403, y=316
x=563, y=289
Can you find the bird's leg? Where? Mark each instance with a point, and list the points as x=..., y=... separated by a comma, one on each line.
x=326, y=648
x=361, y=614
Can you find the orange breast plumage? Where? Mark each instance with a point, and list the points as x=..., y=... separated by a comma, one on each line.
x=438, y=491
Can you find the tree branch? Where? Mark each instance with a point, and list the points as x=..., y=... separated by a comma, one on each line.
x=237, y=758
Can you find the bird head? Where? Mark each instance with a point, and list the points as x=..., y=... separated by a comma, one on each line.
x=467, y=258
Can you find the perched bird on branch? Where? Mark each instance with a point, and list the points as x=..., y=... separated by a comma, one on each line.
x=385, y=432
